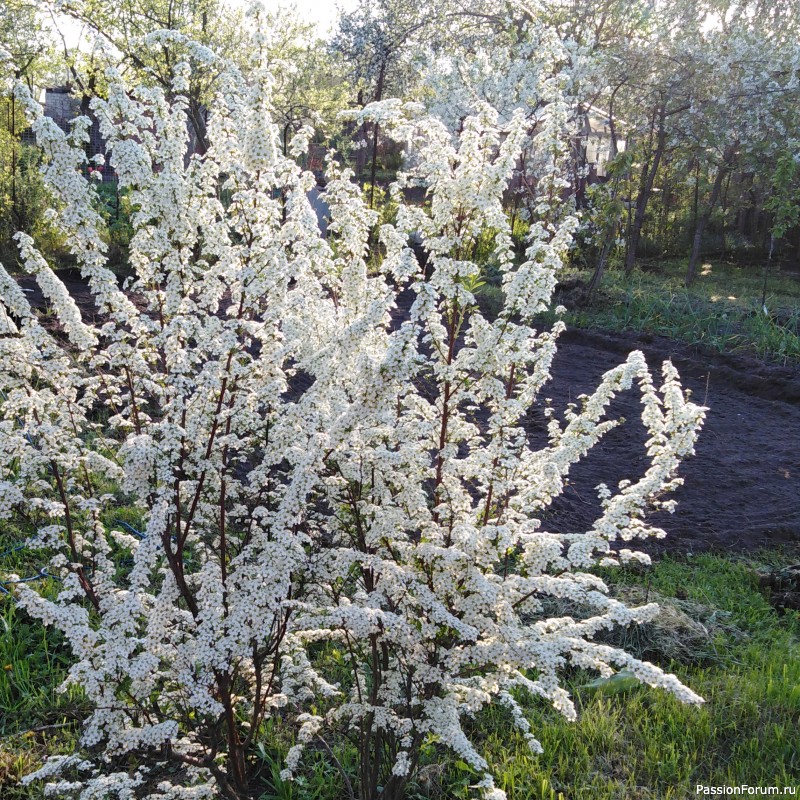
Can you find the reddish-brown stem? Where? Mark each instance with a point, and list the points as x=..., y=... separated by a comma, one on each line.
x=136, y=421
x=446, y=397
x=84, y=581
x=495, y=463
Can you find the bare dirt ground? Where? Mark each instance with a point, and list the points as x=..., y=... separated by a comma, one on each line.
x=742, y=488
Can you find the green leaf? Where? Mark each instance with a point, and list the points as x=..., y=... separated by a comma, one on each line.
x=622, y=681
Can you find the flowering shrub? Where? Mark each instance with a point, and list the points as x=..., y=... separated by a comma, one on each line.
x=319, y=472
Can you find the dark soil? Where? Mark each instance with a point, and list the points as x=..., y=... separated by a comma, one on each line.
x=742, y=488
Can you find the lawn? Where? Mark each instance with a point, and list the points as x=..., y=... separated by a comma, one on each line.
x=721, y=310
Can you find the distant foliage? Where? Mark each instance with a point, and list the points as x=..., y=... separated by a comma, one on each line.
x=24, y=198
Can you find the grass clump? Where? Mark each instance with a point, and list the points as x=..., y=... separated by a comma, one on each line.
x=36, y=720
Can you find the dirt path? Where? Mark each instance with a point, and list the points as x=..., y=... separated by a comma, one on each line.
x=742, y=489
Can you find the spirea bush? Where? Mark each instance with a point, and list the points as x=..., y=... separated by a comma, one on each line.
x=340, y=498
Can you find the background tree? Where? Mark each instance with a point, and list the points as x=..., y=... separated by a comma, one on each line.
x=24, y=38
x=310, y=84
x=125, y=24
x=377, y=42
x=23, y=197
x=783, y=204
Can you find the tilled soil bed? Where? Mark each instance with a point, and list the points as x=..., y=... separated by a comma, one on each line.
x=742, y=488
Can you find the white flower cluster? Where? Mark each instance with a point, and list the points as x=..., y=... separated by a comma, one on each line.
x=320, y=491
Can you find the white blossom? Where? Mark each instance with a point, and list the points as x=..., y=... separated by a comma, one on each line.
x=309, y=473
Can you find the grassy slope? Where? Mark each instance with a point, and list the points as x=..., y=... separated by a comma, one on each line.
x=721, y=310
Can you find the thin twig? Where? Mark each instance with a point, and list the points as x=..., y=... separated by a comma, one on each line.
x=338, y=765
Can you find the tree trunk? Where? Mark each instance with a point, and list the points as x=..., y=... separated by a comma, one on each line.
x=600, y=269
x=373, y=167
x=666, y=189
x=612, y=128
x=14, y=214
x=702, y=222
x=237, y=764
x=196, y=114
x=647, y=179
x=724, y=214
x=766, y=274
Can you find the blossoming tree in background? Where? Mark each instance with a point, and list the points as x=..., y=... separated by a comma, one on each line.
x=327, y=446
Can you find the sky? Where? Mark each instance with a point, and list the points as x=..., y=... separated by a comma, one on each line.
x=322, y=12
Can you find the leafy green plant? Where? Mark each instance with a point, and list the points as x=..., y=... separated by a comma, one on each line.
x=115, y=207
x=24, y=198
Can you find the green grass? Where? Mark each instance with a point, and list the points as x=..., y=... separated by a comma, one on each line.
x=35, y=718
x=718, y=632
x=641, y=743
x=721, y=310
